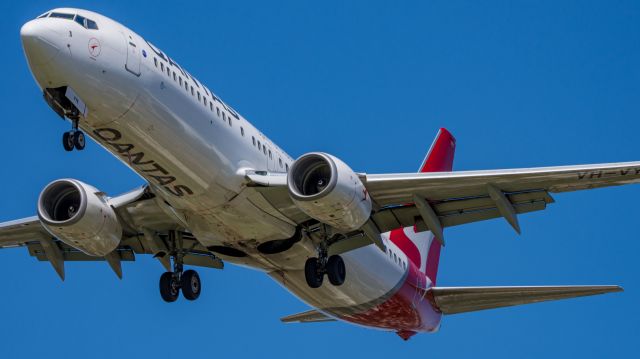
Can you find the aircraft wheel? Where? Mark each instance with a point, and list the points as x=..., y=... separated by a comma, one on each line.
x=336, y=270
x=169, y=289
x=191, y=286
x=68, y=141
x=312, y=273
x=78, y=140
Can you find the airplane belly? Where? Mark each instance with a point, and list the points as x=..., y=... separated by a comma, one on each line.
x=370, y=278
x=377, y=293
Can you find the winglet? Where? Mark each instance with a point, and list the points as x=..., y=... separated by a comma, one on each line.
x=439, y=158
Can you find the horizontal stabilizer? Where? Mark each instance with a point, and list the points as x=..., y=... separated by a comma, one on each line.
x=310, y=316
x=452, y=300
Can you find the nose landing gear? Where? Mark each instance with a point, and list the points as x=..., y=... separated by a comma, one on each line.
x=73, y=139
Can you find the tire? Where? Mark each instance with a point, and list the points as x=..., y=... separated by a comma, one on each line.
x=336, y=270
x=67, y=141
x=312, y=273
x=191, y=286
x=168, y=291
x=79, y=140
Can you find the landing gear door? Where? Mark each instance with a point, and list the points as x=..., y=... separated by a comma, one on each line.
x=133, y=56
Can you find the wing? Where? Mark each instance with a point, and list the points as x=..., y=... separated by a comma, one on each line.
x=432, y=201
x=145, y=219
x=455, y=300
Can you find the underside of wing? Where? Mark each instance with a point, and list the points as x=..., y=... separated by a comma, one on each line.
x=453, y=300
x=145, y=225
x=310, y=316
x=454, y=198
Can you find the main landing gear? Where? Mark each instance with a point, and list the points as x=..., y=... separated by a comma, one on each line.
x=316, y=267
x=171, y=283
x=73, y=139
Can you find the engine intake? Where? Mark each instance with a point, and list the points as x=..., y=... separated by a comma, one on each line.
x=328, y=190
x=79, y=215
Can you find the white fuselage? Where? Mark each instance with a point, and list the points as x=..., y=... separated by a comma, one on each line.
x=194, y=151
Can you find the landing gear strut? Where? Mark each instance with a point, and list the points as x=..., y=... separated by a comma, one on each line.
x=172, y=282
x=316, y=267
x=74, y=138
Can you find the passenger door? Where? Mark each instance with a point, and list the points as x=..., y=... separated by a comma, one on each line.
x=133, y=56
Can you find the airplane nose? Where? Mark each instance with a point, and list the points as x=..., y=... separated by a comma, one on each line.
x=39, y=42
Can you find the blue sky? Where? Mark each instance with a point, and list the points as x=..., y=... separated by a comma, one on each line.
x=520, y=84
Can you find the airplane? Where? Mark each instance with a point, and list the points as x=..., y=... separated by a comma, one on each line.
x=218, y=190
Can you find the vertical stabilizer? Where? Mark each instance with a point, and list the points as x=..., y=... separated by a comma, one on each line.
x=422, y=248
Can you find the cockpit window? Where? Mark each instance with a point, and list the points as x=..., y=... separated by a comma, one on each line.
x=80, y=20
x=43, y=15
x=91, y=25
x=62, y=15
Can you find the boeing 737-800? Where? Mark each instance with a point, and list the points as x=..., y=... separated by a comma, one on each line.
x=359, y=248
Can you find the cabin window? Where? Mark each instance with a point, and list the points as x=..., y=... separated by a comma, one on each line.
x=395, y=258
x=192, y=91
x=198, y=95
x=264, y=149
x=180, y=80
x=253, y=139
x=229, y=118
x=280, y=162
x=259, y=146
x=168, y=71
x=155, y=61
x=218, y=111
x=175, y=78
x=91, y=25
x=162, y=67
x=286, y=166
x=204, y=99
x=270, y=156
x=211, y=106
x=242, y=131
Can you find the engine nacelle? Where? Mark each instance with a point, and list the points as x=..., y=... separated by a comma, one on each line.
x=326, y=189
x=79, y=215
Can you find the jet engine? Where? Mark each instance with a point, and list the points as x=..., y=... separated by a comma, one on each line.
x=326, y=189
x=79, y=215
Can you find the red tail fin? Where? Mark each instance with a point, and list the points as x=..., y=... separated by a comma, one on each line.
x=438, y=159
x=440, y=155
